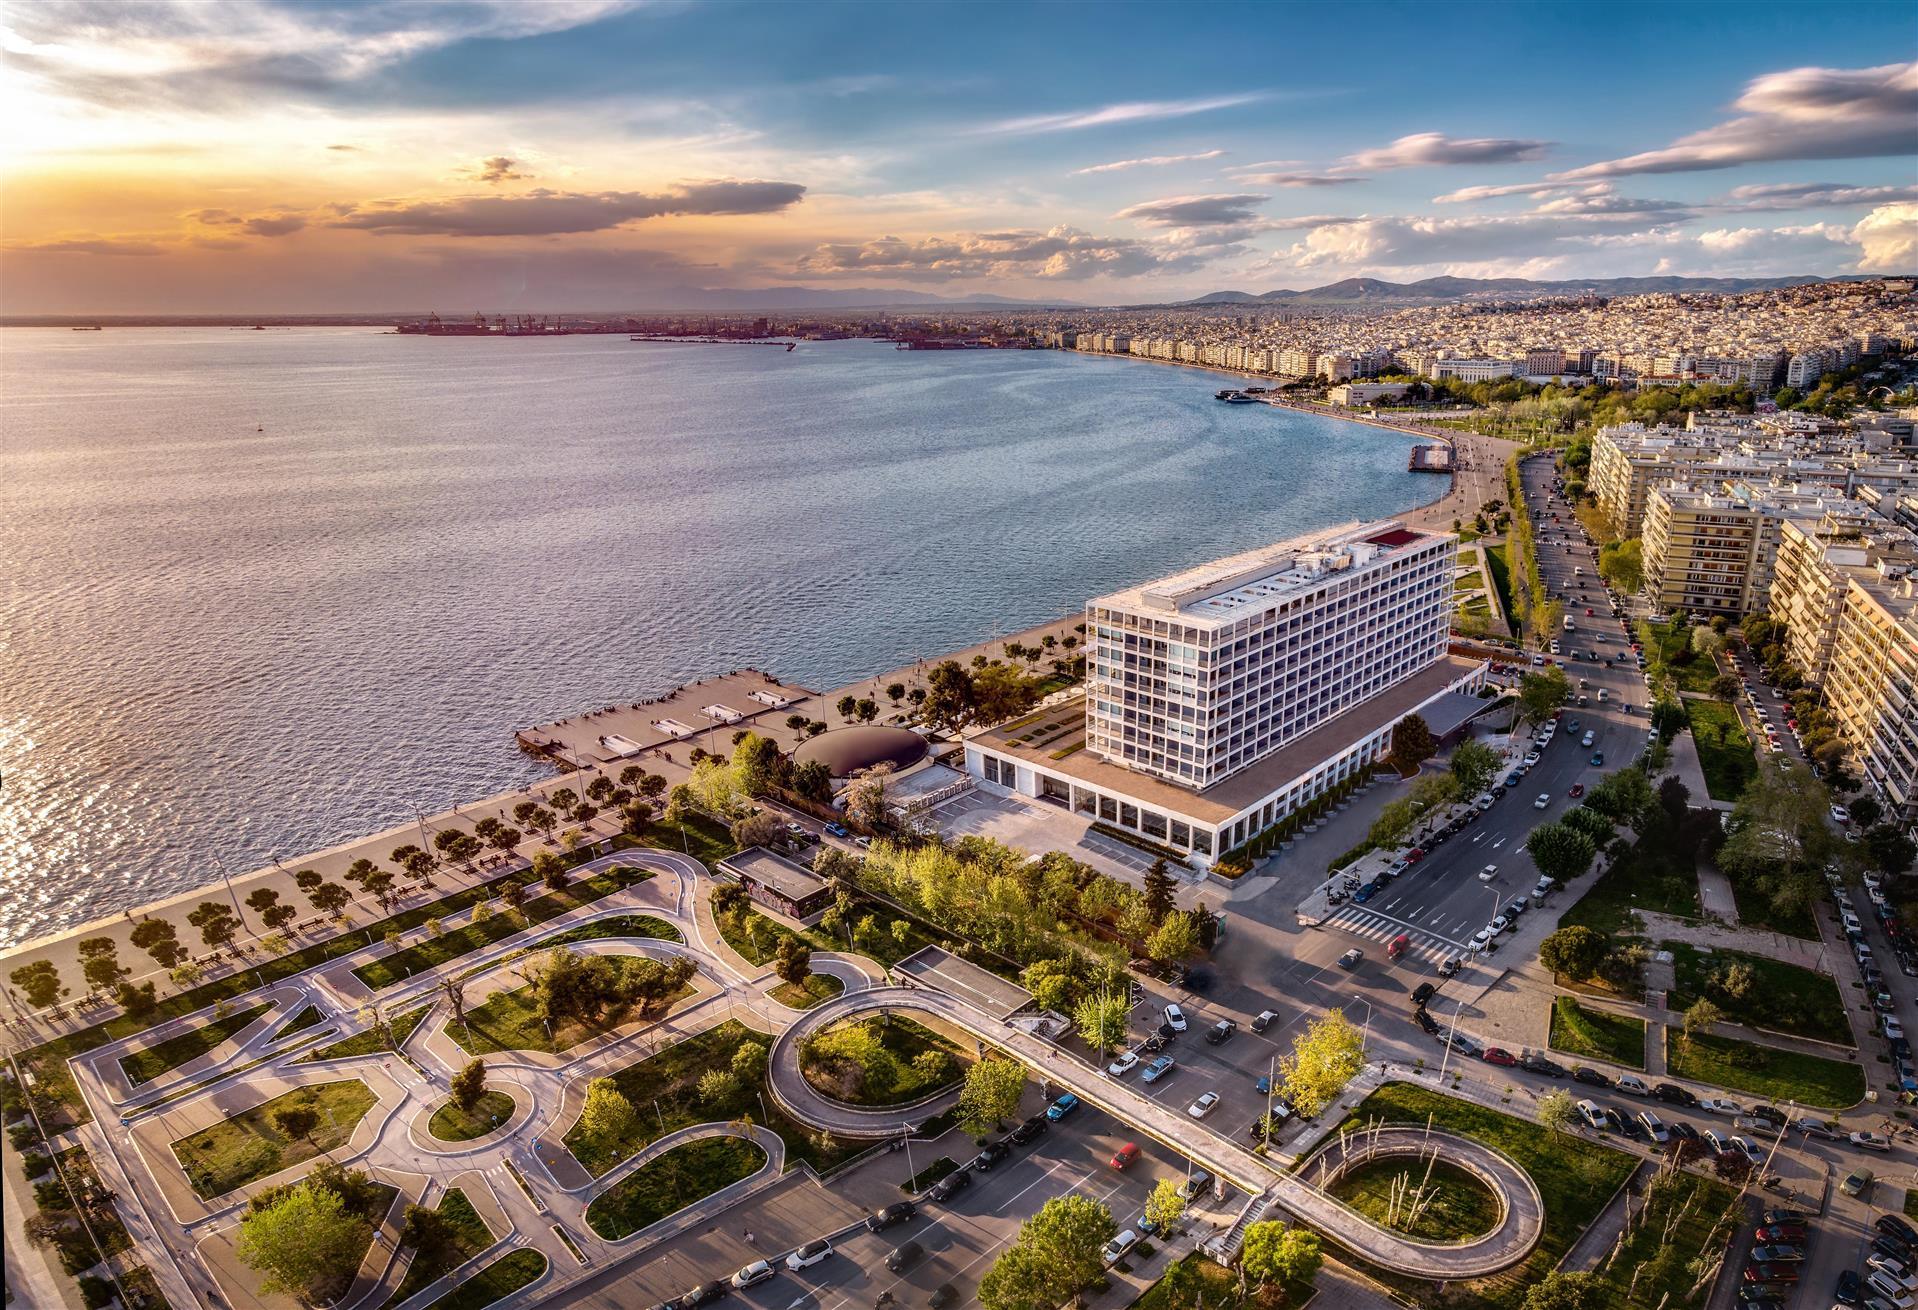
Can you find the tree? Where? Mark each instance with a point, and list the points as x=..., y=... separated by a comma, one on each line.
x=329, y=898
x=1865, y=811
x=1575, y=951
x=867, y=709
x=756, y=764
x=1474, y=765
x=1165, y=1206
x=761, y=829
x=1668, y=718
x=215, y=921
x=792, y=960
x=1412, y=744
x=1890, y=849
x=813, y=781
x=1158, y=890
x=159, y=939
x=1056, y=1253
x=1100, y=1021
x=138, y=1002
x=40, y=981
x=1541, y=694
x=1706, y=643
x=1624, y=795
x=100, y=963
x=717, y=1086
x=1558, y=1111
x=1560, y=1290
x=1174, y=940
x=1324, y=1058
x=1726, y=687
x=297, y=1121
x=303, y=1242
x=1561, y=853
x=1275, y=1253
x=1699, y=1018
x=468, y=1085
x=550, y=869
x=847, y=706
x=608, y=1117
x=866, y=798
x=991, y=1094
x=1585, y=819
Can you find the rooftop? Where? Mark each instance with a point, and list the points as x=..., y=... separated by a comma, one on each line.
x=770, y=869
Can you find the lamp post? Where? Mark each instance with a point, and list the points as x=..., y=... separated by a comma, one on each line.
x=231, y=894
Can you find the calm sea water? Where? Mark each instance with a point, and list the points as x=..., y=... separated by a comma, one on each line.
x=264, y=591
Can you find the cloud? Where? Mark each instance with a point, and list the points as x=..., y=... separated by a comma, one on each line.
x=1888, y=239
x=499, y=168
x=1058, y=254
x=1472, y=194
x=1194, y=211
x=1801, y=113
x=275, y=225
x=1107, y=115
x=1427, y=149
x=1817, y=195
x=1606, y=203
x=1150, y=161
x=549, y=213
x=90, y=246
x=1396, y=242
x=1299, y=179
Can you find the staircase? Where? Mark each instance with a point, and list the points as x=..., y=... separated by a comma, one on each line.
x=1225, y=1247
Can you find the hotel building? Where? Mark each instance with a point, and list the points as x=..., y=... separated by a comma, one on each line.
x=1220, y=700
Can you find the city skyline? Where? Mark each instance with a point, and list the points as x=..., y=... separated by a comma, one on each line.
x=604, y=155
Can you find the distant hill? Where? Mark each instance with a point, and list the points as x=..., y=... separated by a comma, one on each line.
x=1365, y=290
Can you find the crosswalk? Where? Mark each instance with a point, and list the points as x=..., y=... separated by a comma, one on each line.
x=1373, y=926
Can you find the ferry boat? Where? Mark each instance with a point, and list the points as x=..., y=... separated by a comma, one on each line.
x=1233, y=397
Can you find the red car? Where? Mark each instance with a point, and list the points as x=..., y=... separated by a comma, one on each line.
x=1793, y=1233
x=1772, y=1273
x=1414, y=855
x=1498, y=1055
x=1125, y=1155
x=1397, y=946
x=1578, y=789
x=1588, y=613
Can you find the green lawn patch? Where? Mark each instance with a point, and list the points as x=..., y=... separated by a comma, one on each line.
x=889, y=1060
x=1777, y=1075
x=370, y=1042
x=470, y=1236
x=873, y=928
x=250, y=1145
x=1498, y=564
x=623, y=925
x=502, y=1278
x=510, y=1021
x=1650, y=1272
x=1911, y=1202
x=305, y=1019
x=1219, y=1290
x=1724, y=748
x=401, y=965
x=1458, y=1206
x=671, y=1078
x=452, y=1124
x=1649, y=876
x=1786, y=998
x=1597, y=1034
x=803, y=996
x=162, y=1057
x=1576, y=1178
x=1669, y=640
x=1755, y=910
x=706, y=840
x=671, y=1182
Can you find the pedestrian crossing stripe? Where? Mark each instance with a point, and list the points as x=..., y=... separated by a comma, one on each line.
x=1363, y=923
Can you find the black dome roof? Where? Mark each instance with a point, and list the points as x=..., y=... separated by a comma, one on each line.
x=846, y=751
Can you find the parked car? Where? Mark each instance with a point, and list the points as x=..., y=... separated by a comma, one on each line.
x=1778, y=1253
x=1029, y=1130
x=808, y=1255
x=1590, y=1077
x=1195, y=1183
x=1673, y=1094
x=1062, y=1107
x=1263, y=1020
x=1424, y=992
x=1870, y=1141
x=1117, y=1249
x=1719, y=1105
x=756, y=1272
x=1532, y=1062
x=1124, y=1065
x=951, y=1185
x=1857, y=1183
x=989, y=1155
x=1498, y=1055
x=1200, y=1108
x=1175, y=1018
x=1221, y=1030
x=1158, y=1069
x=896, y=1213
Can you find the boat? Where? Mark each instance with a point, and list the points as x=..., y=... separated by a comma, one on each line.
x=1233, y=397
x=94, y=328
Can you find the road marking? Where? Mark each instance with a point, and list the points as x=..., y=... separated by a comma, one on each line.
x=1044, y=1176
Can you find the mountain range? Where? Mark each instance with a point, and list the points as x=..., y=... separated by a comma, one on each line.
x=1365, y=290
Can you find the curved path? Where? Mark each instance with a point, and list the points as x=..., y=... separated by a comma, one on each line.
x=1517, y=1233
x=1501, y=1175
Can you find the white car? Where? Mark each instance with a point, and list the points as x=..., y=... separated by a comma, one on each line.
x=809, y=1255
x=1500, y=924
x=1544, y=799
x=1482, y=939
x=1746, y=1147
x=1175, y=1018
x=756, y=1272
x=1588, y=739
x=1488, y=873
x=1531, y=758
x=1124, y=1065
x=1200, y=1108
x=1870, y=1141
x=1115, y=1249
x=1841, y=814
x=1893, y=1029
x=1592, y=1115
x=1719, y=1105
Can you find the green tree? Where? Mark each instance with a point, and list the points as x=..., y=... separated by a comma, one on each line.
x=1474, y=765
x=468, y=1085
x=41, y=983
x=717, y=1086
x=1174, y=940
x=1541, y=694
x=159, y=939
x=1412, y=744
x=216, y=922
x=1561, y=853
x=1668, y=718
x=1558, y=1111
x=991, y=1094
x=1559, y=1290
x=1699, y=1018
x=549, y=868
x=304, y=1242
x=1100, y=1021
x=1158, y=889
x=1726, y=687
x=608, y=1117
x=749, y=1062
x=1165, y=1206
x=1890, y=849
x=297, y=1121
x=792, y=960
x=1622, y=564
x=100, y=963
x=1574, y=951
x=1394, y=820
x=1055, y=1255
x=1326, y=1056
x=1274, y=1253
x=1624, y=795
x=847, y=707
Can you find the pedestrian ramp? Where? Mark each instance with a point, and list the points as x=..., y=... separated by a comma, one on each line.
x=1373, y=926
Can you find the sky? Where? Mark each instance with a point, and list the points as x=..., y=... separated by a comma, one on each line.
x=512, y=156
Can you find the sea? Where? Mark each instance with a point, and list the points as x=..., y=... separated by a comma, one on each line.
x=263, y=591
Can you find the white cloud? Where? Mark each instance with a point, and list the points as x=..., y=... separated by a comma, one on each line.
x=1107, y=115
x=1299, y=179
x=1888, y=239
x=1427, y=149
x=1816, y=195
x=1189, y=211
x=1058, y=254
x=1150, y=161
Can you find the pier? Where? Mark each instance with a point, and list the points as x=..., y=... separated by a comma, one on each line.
x=1430, y=459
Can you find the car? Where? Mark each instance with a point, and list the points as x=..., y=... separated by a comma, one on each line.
x=1840, y=814
x=1501, y=924
x=1125, y=1155
x=1593, y=1116
x=805, y=1257
x=1124, y=1065
x=1889, y=1288
x=1200, y=1108
x=1350, y=960
x=1577, y=790
x=753, y=1274
x=1397, y=946
x=1195, y=1183
x=1850, y=1287
x=1062, y=1107
x=1673, y=1094
x=1221, y=1030
x=1158, y=1068
x=1771, y=1273
x=1365, y=893
x=1028, y=1131
x=1598, y=758
x=1532, y=1062
x=1756, y=1123
x=896, y=1213
x=1714, y=1142
x=1449, y=966
x=1488, y=873
x=1893, y=1028
x=1423, y=1017
x=1654, y=1127
x=951, y=1185
x=1778, y=1253
x=904, y=1256
x=1898, y=1228
x=1679, y=1128
x=1482, y=939
x=1263, y=1020
x=704, y=1294
x=1543, y=886
x=1543, y=799
x=1719, y=1105
x=1870, y=1141
x=839, y=830
x=1590, y=1077
x=1531, y=758
x=1463, y=1043
x=1782, y=1216
x=1175, y=1018
x=1587, y=740
x=1498, y=1055
x=1857, y=1183
x=989, y=1155
x=1898, y=1269
x=943, y=1296
x=1746, y=1147
x=1511, y=779
x=1115, y=1250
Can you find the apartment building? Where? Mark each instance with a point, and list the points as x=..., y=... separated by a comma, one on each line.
x=1815, y=562
x=1871, y=688
x=1221, y=699
x=1711, y=550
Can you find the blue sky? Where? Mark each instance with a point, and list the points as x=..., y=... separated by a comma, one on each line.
x=227, y=154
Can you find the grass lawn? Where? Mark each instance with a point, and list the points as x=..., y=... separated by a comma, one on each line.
x=470, y=1236
x=803, y=996
x=1668, y=640
x=1787, y=998
x=401, y=965
x=1658, y=1259
x=1766, y=1071
x=1460, y=1207
x=162, y=1057
x=1498, y=564
x=250, y=1145
x=305, y=1019
x=671, y=1078
x=672, y=1182
x=509, y=1021
x=1597, y=1034
x=624, y=925
x=1648, y=879
x=1724, y=748
x=757, y=937
x=1911, y=1202
x=1220, y=1290
x=370, y=1042
x=1575, y=1178
x=1755, y=910
x=706, y=840
x=452, y=1124
x=502, y=1278
x=833, y=1067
